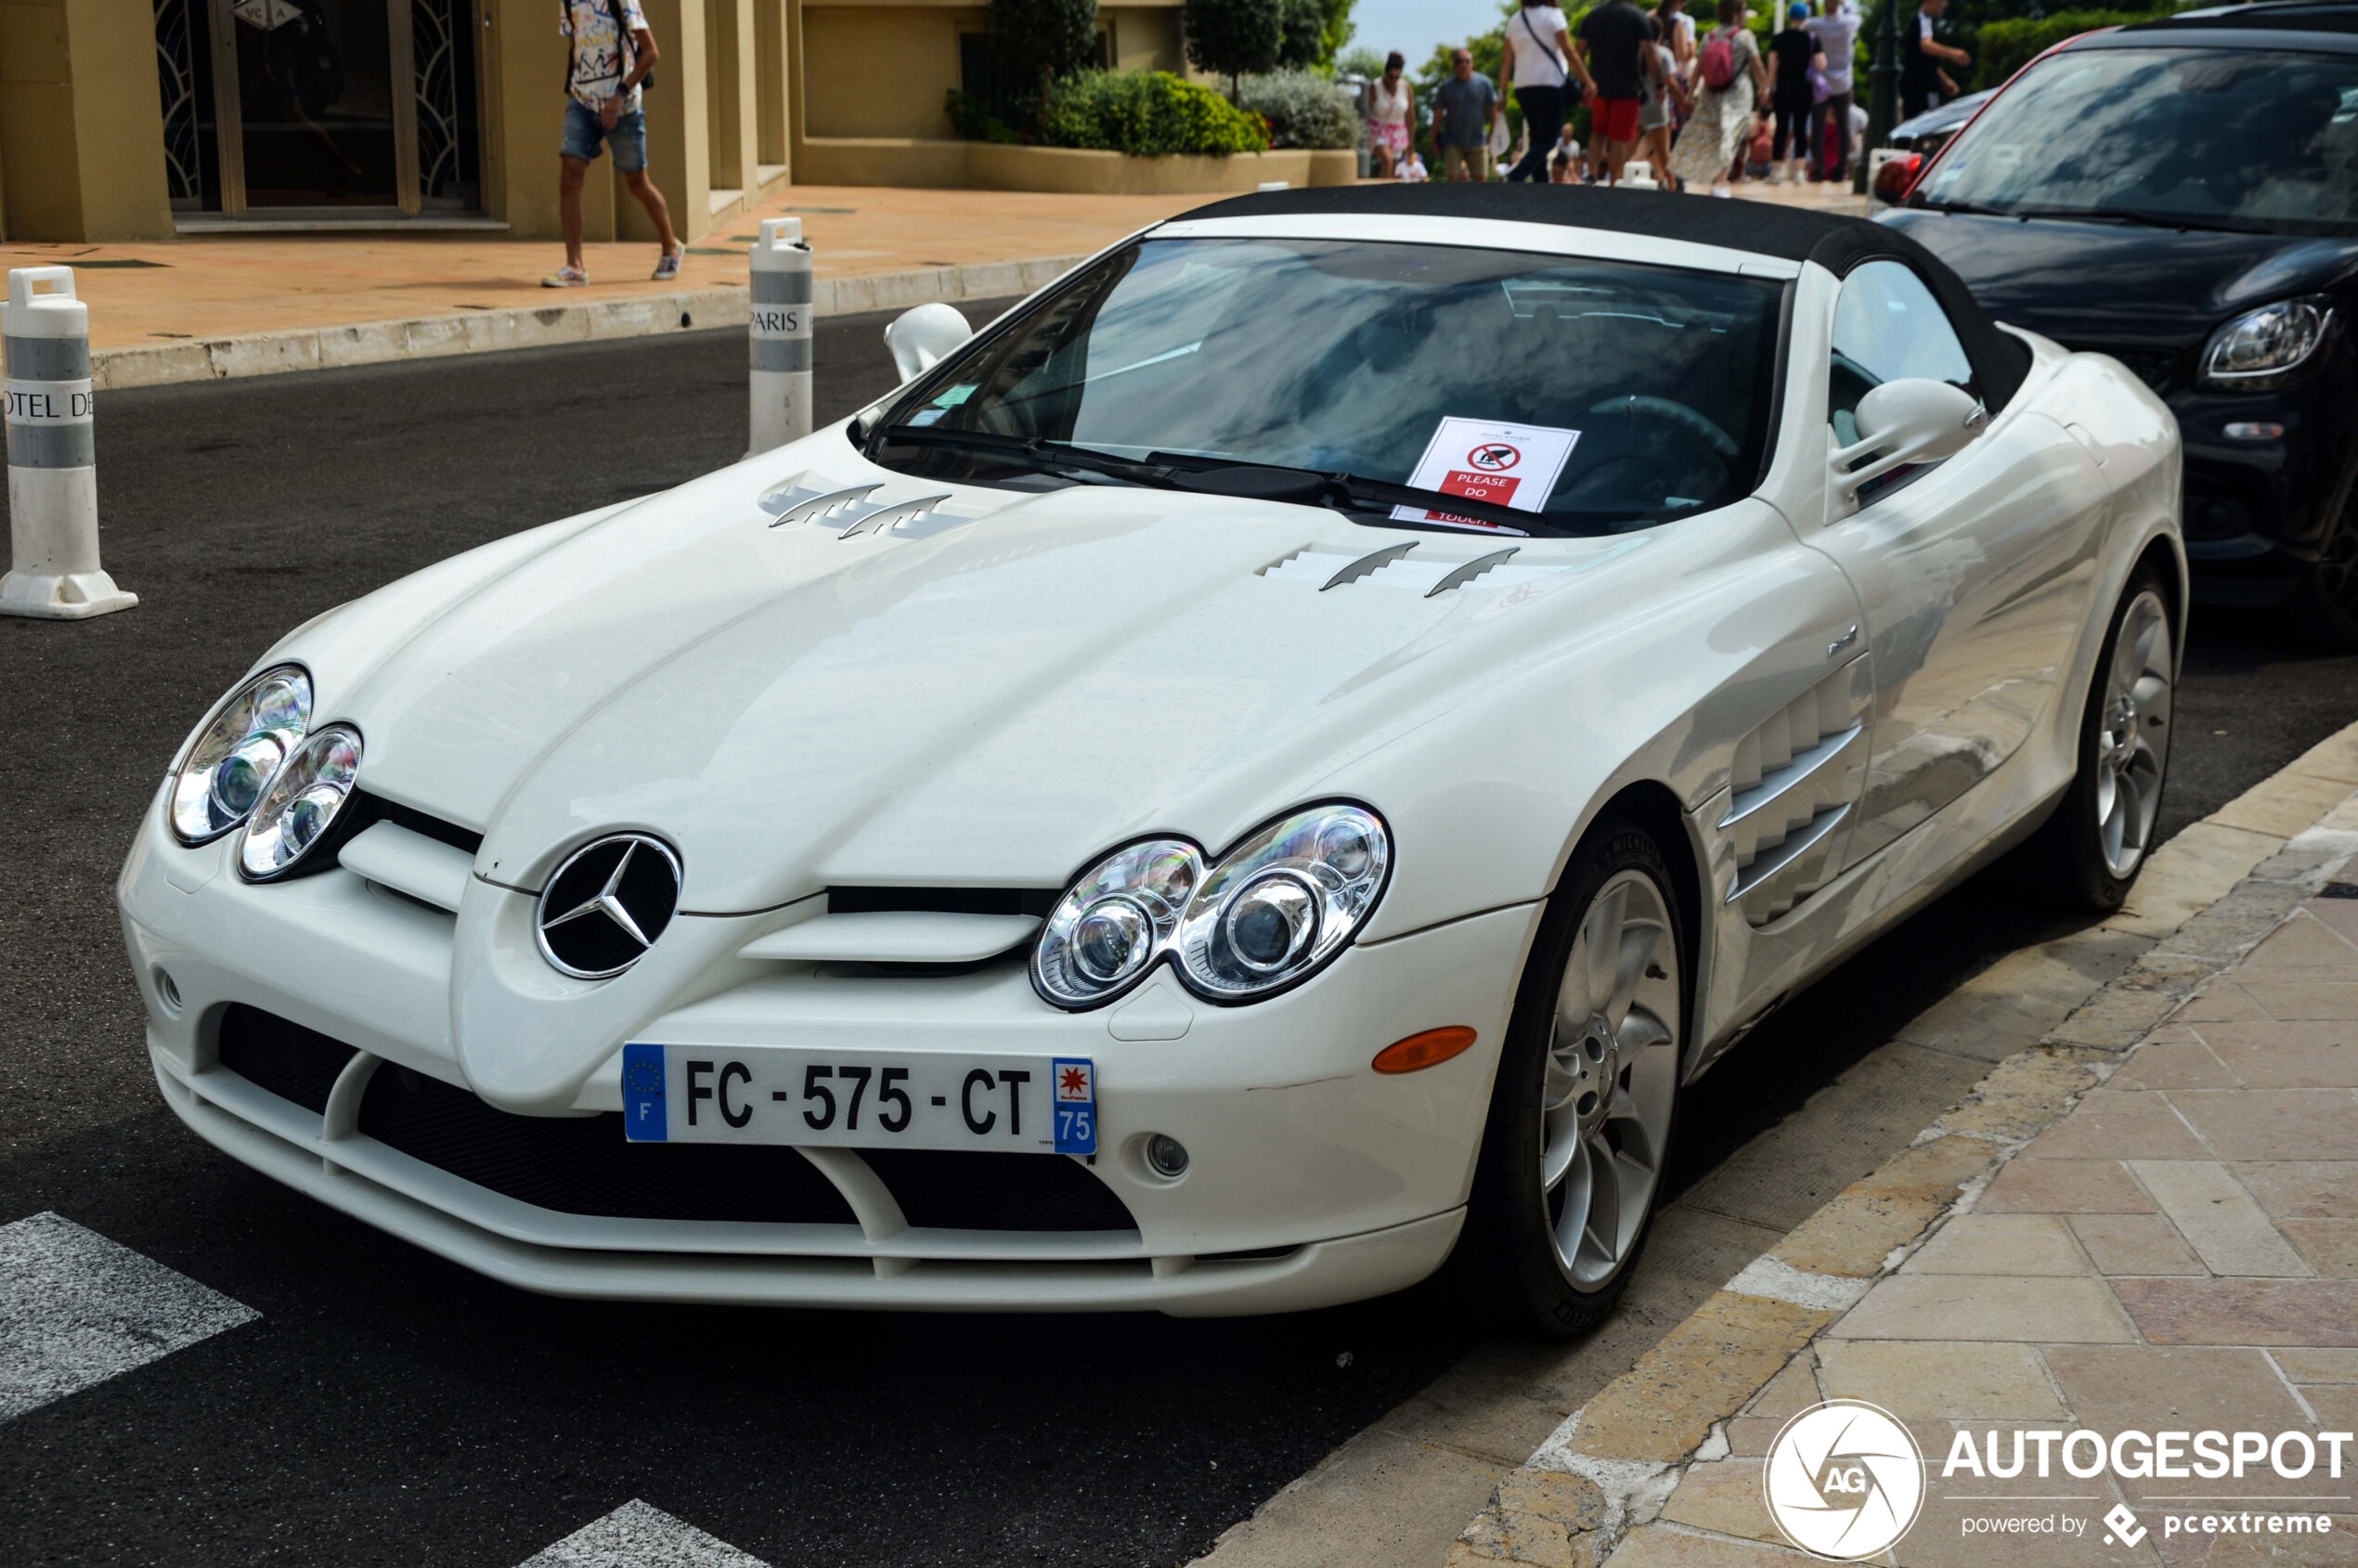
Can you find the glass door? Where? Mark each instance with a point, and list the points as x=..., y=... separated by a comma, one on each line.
x=315, y=110
x=333, y=109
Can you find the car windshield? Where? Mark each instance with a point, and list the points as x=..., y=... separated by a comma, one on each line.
x=1567, y=395
x=2262, y=140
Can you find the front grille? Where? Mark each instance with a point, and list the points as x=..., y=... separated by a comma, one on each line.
x=292, y=1062
x=951, y=1189
x=583, y=1164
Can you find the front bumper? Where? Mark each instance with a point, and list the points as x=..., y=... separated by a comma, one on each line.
x=2257, y=511
x=1312, y=1180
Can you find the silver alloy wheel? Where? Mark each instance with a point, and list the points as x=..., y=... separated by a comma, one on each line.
x=2132, y=738
x=1612, y=1076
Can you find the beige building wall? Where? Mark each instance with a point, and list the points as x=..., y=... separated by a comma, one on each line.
x=81, y=121
x=746, y=91
x=881, y=70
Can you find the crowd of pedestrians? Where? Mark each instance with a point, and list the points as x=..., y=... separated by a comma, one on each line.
x=1702, y=108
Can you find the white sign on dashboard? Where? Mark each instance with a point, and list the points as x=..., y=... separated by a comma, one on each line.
x=1508, y=465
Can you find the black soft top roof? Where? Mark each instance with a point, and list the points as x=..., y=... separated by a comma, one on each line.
x=1763, y=228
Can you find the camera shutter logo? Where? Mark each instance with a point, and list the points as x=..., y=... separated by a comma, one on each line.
x=1844, y=1480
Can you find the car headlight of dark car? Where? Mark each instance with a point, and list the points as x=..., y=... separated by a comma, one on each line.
x=2260, y=347
x=1269, y=913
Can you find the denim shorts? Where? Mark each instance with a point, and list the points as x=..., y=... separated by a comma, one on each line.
x=583, y=133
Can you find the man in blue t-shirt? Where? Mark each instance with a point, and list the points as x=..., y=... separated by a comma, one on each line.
x=1464, y=108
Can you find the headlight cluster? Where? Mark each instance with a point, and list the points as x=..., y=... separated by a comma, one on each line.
x=252, y=766
x=1266, y=915
x=2267, y=342
x=302, y=804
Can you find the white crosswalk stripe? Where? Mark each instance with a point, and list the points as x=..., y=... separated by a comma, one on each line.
x=76, y=1309
x=639, y=1534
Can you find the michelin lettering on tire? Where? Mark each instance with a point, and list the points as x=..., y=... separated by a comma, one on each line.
x=1844, y=1480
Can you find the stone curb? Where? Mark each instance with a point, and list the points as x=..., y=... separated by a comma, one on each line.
x=481, y=332
x=2205, y=899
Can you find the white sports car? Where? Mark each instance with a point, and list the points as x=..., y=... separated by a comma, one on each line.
x=1268, y=766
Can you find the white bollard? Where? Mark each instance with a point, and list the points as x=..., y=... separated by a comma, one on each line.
x=53, y=460
x=778, y=336
x=1638, y=174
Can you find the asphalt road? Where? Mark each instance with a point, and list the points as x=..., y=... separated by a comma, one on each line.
x=387, y=1407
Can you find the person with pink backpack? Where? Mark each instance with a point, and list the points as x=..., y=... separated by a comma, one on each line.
x=1729, y=80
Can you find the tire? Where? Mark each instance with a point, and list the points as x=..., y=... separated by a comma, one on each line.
x=2089, y=852
x=1612, y=1033
x=2324, y=600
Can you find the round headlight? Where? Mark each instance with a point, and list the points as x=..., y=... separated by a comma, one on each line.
x=1284, y=902
x=233, y=759
x=1104, y=934
x=300, y=811
x=1270, y=924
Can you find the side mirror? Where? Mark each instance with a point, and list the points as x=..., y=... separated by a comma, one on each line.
x=1911, y=421
x=922, y=336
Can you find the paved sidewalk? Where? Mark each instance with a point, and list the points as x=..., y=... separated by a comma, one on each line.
x=2148, y=1222
x=213, y=306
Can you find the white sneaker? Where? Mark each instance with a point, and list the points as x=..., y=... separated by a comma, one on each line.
x=1776, y=174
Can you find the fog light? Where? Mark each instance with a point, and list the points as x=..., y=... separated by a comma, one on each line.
x=1166, y=1157
x=2255, y=430
x=167, y=991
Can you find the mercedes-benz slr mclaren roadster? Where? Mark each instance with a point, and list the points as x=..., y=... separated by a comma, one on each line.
x=1262, y=771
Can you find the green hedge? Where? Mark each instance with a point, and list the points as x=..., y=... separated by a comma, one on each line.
x=1149, y=114
x=2004, y=48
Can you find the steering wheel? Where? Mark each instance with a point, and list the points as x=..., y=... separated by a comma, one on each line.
x=1673, y=413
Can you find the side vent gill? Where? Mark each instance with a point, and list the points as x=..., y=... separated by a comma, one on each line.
x=1792, y=784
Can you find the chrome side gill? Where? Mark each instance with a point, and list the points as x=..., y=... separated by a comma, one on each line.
x=1793, y=781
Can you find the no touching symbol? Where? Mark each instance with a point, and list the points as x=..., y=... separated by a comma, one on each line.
x=1494, y=456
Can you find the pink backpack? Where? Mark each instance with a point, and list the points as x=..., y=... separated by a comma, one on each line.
x=1720, y=61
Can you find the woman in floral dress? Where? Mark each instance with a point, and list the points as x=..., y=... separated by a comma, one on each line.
x=1715, y=134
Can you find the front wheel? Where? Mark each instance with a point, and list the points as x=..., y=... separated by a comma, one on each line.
x=1581, y=1114
x=2090, y=850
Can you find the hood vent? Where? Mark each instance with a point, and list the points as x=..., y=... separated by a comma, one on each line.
x=848, y=508
x=1435, y=567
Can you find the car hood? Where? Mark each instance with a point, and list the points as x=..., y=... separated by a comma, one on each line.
x=992, y=696
x=2159, y=288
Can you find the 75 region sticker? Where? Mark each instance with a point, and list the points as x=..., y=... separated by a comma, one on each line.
x=1074, y=1109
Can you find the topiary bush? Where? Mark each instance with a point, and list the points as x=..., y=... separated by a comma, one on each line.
x=1301, y=33
x=1302, y=110
x=1149, y=113
x=1234, y=38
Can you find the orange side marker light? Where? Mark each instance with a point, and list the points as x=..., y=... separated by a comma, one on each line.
x=1420, y=1051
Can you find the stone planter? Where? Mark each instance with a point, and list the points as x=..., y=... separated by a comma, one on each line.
x=992, y=166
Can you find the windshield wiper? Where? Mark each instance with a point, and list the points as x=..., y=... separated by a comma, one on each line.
x=1034, y=451
x=1976, y=209
x=1342, y=489
x=2131, y=218
x=1161, y=471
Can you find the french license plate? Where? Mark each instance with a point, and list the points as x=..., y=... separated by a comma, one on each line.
x=870, y=1099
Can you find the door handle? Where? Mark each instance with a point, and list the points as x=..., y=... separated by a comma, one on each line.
x=1835, y=648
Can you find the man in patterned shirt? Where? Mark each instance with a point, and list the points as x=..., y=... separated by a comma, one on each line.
x=613, y=54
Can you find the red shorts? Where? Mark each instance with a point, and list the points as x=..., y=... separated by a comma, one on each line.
x=1614, y=119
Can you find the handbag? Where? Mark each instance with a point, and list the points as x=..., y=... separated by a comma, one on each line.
x=1819, y=88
